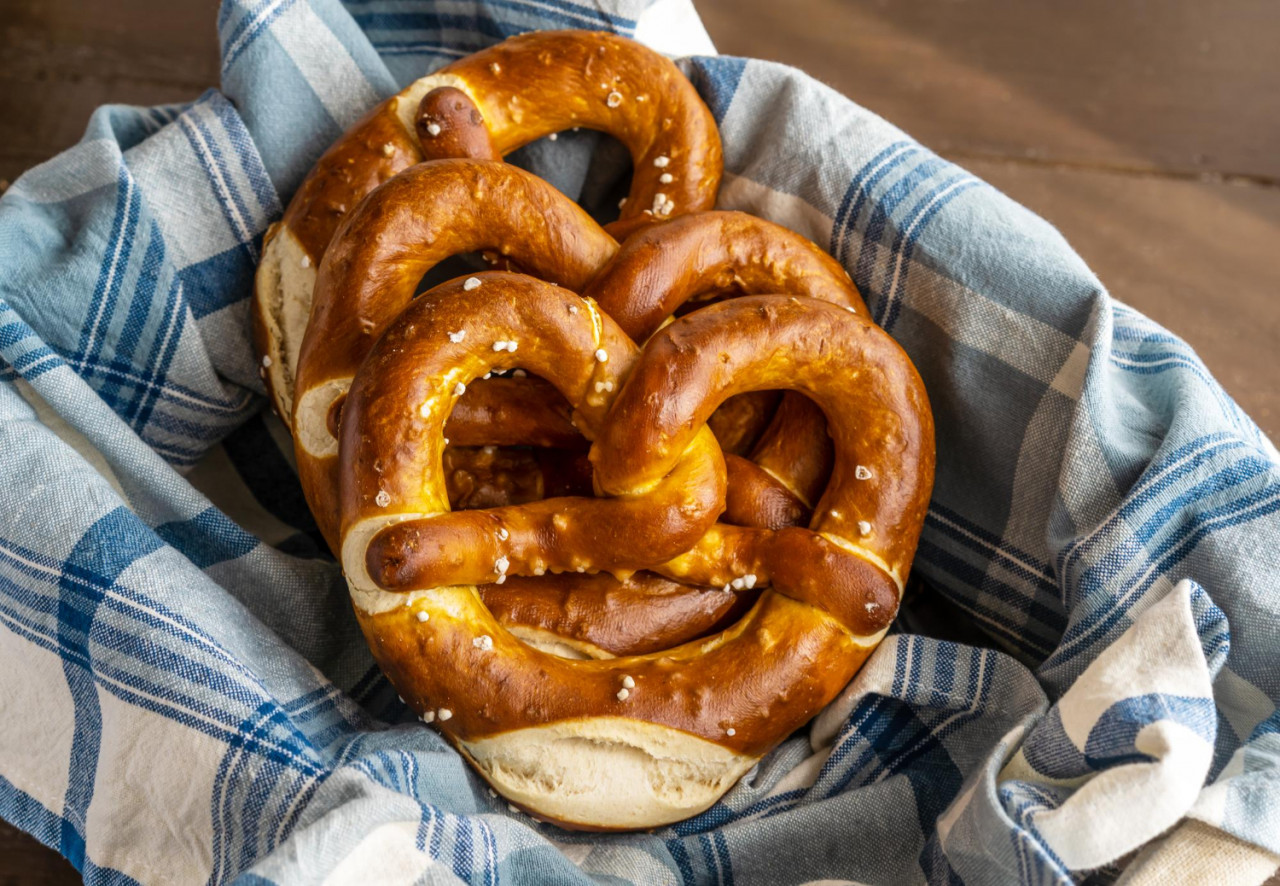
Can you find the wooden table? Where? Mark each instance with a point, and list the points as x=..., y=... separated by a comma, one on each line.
x=1149, y=134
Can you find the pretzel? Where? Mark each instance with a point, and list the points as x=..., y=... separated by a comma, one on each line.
x=422, y=216
x=878, y=416
x=658, y=269
x=640, y=740
x=526, y=87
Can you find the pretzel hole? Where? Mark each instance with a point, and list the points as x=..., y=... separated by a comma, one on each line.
x=461, y=265
x=608, y=171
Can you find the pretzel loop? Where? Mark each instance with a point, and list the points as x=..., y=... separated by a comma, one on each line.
x=407, y=389
x=504, y=97
x=866, y=524
x=543, y=729
x=388, y=243
x=673, y=140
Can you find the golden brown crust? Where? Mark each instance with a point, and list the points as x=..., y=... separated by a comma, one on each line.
x=877, y=413
x=449, y=124
x=406, y=389
x=645, y=613
x=512, y=412
x=390, y=241
x=829, y=598
x=747, y=678
x=520, y=86
x=795, y=449
x=532, y=85
x=740, y=421
x=754, y=498
x=661, y=267
x=657, y=270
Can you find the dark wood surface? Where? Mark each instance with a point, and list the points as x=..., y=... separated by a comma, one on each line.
x=1148, y=133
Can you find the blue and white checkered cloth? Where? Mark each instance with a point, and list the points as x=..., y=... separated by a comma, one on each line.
x=185, y=695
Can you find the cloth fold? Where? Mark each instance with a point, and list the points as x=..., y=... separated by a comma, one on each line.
x=188, y=697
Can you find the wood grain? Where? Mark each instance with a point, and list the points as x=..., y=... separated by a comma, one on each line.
x=1179, y=85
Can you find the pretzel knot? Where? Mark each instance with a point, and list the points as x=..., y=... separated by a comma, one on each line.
x=639, y=740
x=485, y=106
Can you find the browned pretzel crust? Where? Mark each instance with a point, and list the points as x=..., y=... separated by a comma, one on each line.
x=398, y=397
x=864, y=529
x=825, y=595
x=544, y=82
x=388, y=243
x=523, y=88
x=658, y=269
x=599, y=616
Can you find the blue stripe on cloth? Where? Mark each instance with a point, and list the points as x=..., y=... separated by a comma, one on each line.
x=908, y=236
x=207, y=538
x=110, y=546
x=112, y=269
x=717, y=81
x=857, y=194
x=252, y=25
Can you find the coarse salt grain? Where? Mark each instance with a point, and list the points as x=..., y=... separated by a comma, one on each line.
x=422, y=615
x=749, y=580
x=501, y=565
x=731, y=732
x=458, y=336
x=628, y=683
x=388, y=149
x=602, y=356
x=444, y=713
x=624, y=694
x=661, y=160
x=864, y=527
x=502, y=533
x=471, y=283
x=382, y=499
x=666, y=178
x=459, y=389
x=862, y=472
x=429, y=717
x=614, y=99
x=552, y=137
x=433, y=129
x=306, y=261
x=484, y=643
x=266, y=360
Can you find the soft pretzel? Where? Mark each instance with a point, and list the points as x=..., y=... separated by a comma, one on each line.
x=660, y=268
x=561, y=338
x=424, y=215
x=640, y=740
x=419, y=218
x=526, y=87
x=868, y=519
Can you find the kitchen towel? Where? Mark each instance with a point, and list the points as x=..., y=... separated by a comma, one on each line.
x=186, y=697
